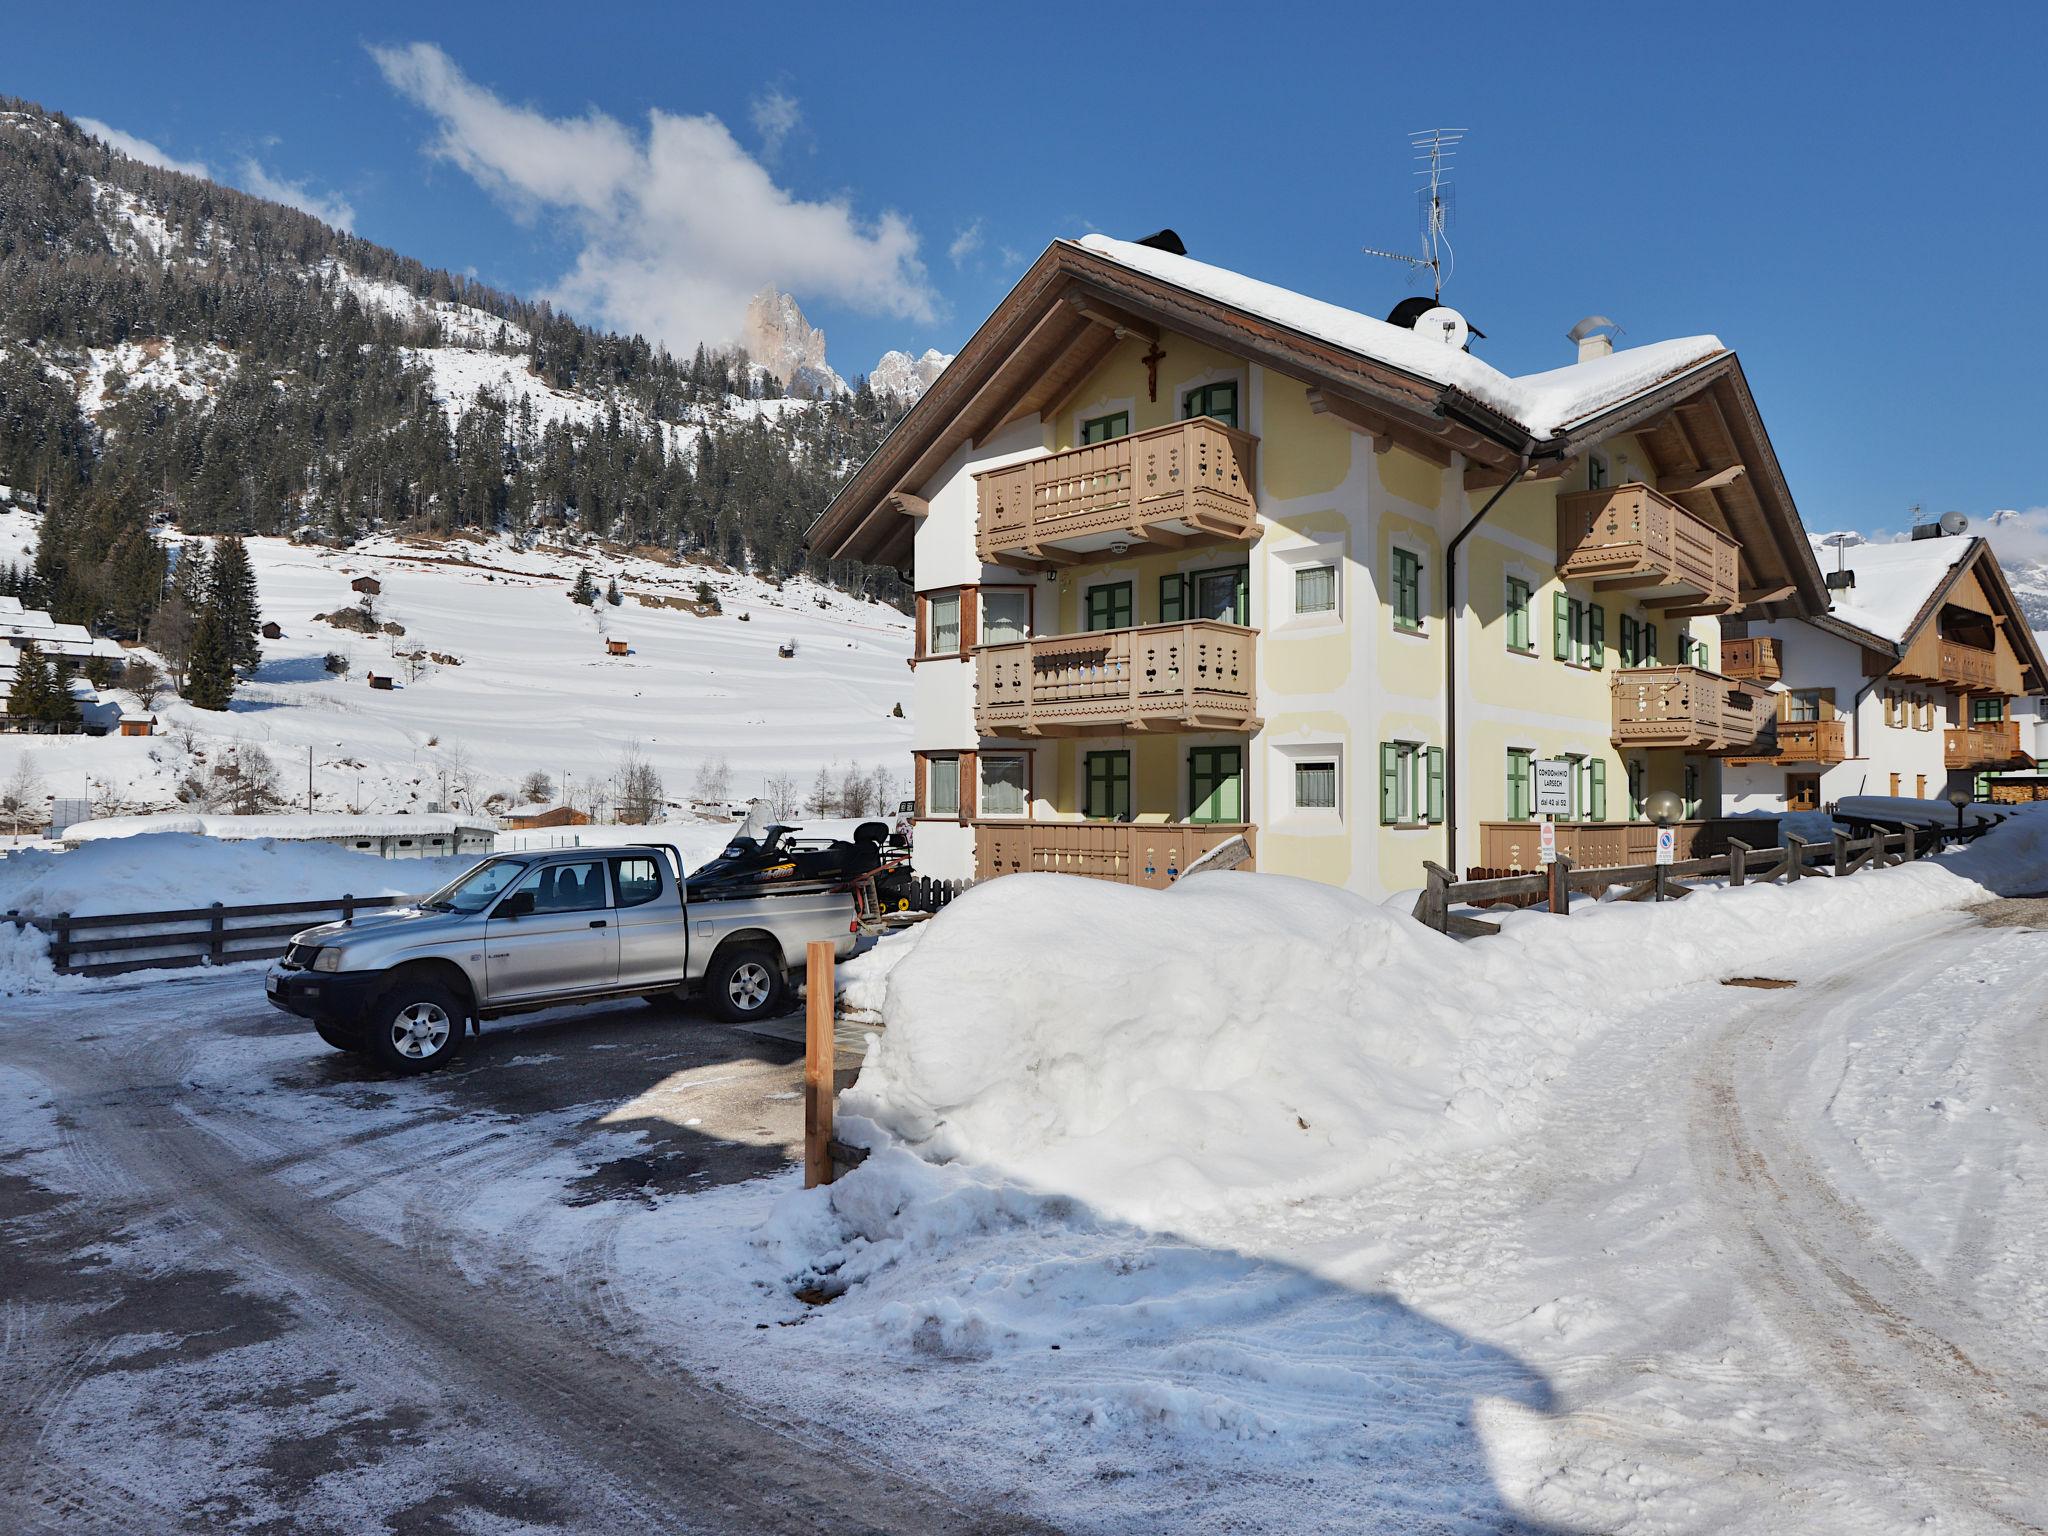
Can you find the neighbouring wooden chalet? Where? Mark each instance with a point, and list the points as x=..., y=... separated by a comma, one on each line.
x=526, y=818
x=1907, y=685
x=1199, y=558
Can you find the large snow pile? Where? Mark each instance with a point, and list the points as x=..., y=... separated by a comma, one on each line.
x=1241, y=1039
x=171, y=871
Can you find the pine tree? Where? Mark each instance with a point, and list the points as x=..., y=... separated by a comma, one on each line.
x=611, y=593
x=233, y=592
x=60, y=707
x=585, y=590
x=25, y=699
x=210, y=673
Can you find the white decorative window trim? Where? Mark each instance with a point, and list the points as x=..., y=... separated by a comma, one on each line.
x=1292, y=557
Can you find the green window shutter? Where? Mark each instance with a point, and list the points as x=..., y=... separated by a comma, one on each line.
x=1596, y=633
x=1629, y=656
x=1518, y=785
x=1436, y=783
x=1561, y=626
x=1172, y=599
x=1649, y=645
x=1390, y=783
x=1596, y=789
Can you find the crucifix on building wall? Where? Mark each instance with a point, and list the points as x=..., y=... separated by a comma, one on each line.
x=1152, y=360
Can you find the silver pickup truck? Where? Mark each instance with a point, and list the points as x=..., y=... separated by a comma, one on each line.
x=535, y=930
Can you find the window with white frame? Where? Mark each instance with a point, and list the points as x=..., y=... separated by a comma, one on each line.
x=1003, y=785
x=1005, y=615
x=1315, y=784
x=1315, y=588
x=942, y=786
x=942, y=624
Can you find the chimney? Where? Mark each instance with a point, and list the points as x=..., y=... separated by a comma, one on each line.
x=1594, y=337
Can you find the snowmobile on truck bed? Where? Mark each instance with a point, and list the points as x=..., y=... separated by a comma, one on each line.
x=779, y=860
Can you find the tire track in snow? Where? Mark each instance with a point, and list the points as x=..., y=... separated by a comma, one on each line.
x=1860, y=1308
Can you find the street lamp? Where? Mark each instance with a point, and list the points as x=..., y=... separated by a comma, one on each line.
x=1665, y=809
x=1959, y=797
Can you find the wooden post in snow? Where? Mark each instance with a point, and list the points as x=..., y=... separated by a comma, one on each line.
x=1560, y=893
x=819, y=1052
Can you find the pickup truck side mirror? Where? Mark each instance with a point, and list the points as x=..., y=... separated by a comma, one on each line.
x=518, y=904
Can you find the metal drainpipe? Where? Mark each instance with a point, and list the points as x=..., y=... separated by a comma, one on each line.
x=1451, y=667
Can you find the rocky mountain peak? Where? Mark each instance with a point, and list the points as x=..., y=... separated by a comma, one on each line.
x=898, y=373
x=781, y=340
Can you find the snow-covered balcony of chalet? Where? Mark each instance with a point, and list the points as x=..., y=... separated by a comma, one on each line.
x=1693, y=709
x=1630, y=538
x=1152, y=854
x=1197, y=675
x=1165, y=487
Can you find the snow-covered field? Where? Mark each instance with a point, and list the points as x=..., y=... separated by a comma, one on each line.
x=1251, y=1206
x=530, y=686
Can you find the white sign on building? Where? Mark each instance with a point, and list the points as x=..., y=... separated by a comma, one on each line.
x=1553, y=786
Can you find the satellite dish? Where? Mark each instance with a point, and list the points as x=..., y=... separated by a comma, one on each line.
x=1444, y=324
x=1953, y=523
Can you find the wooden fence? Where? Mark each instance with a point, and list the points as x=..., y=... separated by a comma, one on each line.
x=114, y=942
x=1554, y=886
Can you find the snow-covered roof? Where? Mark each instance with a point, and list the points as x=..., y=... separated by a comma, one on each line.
x=1893, y=582
x=290, y=828
x=1545, y=403
x=537, y=808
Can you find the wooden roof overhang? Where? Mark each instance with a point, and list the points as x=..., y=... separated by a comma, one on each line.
x=2012, y=622
x=1057, y=326
x=1710, y=453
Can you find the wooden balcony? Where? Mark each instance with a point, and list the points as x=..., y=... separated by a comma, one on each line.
x=1691, y=708
x=1984, y=746
x=1752, y=660
x=1510, y=847
x=1195, y=676
x=1968, y=667
x=1191, y=480
x=1825, y=742
x=1628, y=538
x=1147, y=853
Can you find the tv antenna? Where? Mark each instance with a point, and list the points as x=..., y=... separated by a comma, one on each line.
x=1434, y=148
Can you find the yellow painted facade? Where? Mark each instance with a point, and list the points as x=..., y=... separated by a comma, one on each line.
x=1335, y=687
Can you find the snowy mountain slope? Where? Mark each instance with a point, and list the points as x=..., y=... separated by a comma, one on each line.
x=529, y=684
x=898, y=373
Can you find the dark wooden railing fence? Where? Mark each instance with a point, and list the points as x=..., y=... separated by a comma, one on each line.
x=210, y=935
x=1553, y=886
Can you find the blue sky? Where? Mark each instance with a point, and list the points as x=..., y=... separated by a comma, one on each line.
x=1849, y=197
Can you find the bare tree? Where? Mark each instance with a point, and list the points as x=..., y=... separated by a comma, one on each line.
x=458, y=774
x=21, y=798
x=253, y=789
x=171, y=630
x=714, y=780
x=783, y=797
x=824, y=800
x=536, y=788
x=885, y=790
x=143, y=678
x=856, y=792
x=637, y=788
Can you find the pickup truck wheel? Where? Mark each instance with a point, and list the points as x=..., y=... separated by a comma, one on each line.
x=415, y=1026
x=746, y=982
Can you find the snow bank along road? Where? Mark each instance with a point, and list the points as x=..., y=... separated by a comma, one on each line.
x=1726, y=1259
x=232, y=1297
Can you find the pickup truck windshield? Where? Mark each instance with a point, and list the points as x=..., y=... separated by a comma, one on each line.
x=477, y=889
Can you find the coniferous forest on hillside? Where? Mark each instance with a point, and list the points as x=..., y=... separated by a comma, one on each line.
x=318, y=416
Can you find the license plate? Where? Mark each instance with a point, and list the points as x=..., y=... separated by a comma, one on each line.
x=270, y=985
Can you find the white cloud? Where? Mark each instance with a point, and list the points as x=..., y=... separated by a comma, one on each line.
x=139, y=148
x=679, y=226
x=776, y=115
x=2015, y=535
x=331, y=208
x=966, y=243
